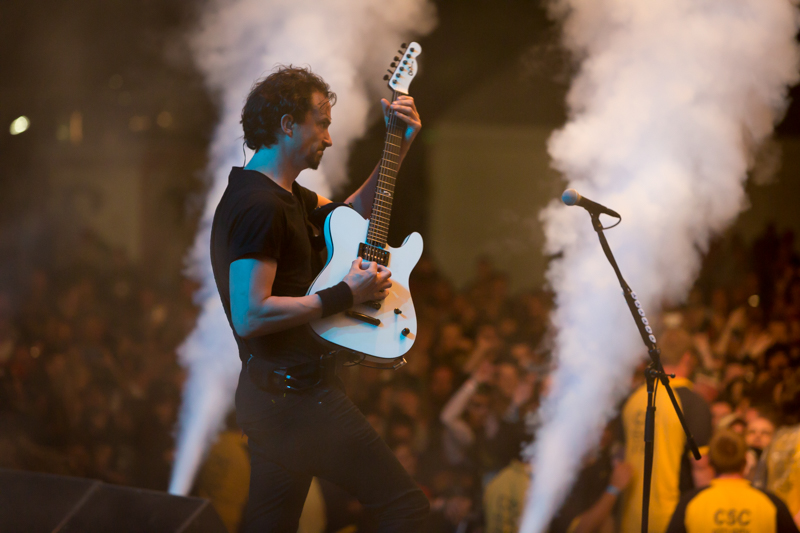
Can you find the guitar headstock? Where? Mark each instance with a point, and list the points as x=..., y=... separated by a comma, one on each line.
x=405, y=68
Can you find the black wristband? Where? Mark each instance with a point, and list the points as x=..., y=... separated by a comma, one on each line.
x=336, y=299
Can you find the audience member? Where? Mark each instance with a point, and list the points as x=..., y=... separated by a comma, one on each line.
x=730, y=503
x=90, y=385
x=673, y=466
x=782, y=457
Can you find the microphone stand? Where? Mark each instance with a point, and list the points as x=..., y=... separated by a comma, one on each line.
x=654, y=371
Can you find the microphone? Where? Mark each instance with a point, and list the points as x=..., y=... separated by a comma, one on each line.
x=572, y=197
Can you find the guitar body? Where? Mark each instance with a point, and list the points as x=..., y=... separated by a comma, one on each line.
x=344, y=231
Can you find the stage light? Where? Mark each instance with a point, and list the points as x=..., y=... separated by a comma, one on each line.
x=164, y=119
x=19, y=125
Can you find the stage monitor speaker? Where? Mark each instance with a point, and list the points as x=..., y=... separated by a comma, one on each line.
x=33, y=503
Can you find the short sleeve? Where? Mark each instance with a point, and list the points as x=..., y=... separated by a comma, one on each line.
x=307, y=197
x=677, y=523
x=784, y=522
x=697, y=415
x=258, y=229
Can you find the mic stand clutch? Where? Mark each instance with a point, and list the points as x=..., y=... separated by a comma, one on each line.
x=653, y=372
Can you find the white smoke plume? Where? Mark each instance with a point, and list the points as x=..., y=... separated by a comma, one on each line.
x=671, y=100
x=349, y=43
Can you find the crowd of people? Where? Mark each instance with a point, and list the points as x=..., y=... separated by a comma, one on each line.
x=90, y=386
x=89, y=381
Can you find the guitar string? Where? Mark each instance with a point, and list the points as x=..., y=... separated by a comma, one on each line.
x=387, y=172
x=385, y=181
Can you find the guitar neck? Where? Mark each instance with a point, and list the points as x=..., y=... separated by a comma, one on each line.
x=378, y=231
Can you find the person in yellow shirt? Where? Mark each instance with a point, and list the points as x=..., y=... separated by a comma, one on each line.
x=730, y=504
x=587, y=509
x=504, y=498
x=782, y=458
x=674, y=470
x=224, y=476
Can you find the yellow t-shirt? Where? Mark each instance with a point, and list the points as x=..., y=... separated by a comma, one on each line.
x=224, y=478
x=731, y=505
x=669, y=453
x=504, y=498
x=783, y=467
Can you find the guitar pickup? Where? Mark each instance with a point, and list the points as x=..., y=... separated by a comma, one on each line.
x=364, y=318
x=370, y=252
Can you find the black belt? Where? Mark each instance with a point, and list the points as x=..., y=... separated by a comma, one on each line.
x=298, y=378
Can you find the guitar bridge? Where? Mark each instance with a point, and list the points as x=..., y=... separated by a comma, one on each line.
x=373, y=253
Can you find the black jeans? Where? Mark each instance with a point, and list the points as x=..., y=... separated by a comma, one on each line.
x=322, y=433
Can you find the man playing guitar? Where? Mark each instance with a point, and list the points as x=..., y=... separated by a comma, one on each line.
x=289, y=402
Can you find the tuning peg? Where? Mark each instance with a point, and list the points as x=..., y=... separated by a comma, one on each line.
x=396, y=58
x=403, y=45
x=393, y=65
x=400, y=52
x=389, y=71
x=386, y=77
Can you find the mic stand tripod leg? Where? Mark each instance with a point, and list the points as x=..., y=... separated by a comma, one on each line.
x=649, y=437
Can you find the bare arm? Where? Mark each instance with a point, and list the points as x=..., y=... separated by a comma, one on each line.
x=255, y=311
x=455, y=407
x=736, y=320
x=591, y=520
x=452, y=411
x=702, y=473
x=406, y=110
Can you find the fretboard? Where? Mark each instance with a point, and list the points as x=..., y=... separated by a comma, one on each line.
x=378, y=231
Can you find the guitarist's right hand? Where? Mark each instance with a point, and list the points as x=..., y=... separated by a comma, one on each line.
x=368, y=281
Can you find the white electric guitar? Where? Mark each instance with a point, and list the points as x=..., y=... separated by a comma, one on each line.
x=380, y=331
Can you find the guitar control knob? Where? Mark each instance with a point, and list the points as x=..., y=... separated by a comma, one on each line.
x=406, y=332
x=397, y=311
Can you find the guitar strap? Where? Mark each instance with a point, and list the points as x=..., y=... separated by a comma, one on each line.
x=317, y=220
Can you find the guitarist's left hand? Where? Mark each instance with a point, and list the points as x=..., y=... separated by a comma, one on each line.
x=406, y=110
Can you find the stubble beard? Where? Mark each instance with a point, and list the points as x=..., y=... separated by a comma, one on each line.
x=314, y=160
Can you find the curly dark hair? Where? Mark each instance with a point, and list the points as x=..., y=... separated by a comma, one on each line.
x=287, y=90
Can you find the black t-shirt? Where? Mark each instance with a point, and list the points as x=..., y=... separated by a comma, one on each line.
x=258, y=218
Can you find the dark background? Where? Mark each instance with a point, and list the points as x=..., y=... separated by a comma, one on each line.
x=113, y=61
